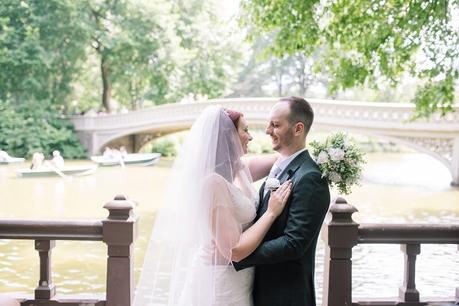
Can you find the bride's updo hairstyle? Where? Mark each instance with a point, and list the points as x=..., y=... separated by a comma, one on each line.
x=234, y=116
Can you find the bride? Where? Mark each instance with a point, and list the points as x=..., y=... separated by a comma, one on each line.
x=208, y=218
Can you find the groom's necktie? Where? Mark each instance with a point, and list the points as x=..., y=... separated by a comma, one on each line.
x=275, y=170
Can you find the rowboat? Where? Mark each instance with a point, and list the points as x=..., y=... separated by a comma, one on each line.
x=11, y=160
x=67, y=171
x=139, y=159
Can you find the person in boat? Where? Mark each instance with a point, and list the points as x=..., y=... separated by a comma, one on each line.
x=123, y=151
x=37, y=160
x=4, y=156
x=58, y=160
x=108, y=153
x=117, y=155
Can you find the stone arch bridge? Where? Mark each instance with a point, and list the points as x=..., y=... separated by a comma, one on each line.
x=437, y=136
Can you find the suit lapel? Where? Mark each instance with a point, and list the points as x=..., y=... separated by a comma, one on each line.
x=286, y=174
x=260, y=196
x=294, y=165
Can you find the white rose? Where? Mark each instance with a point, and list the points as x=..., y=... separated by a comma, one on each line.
x=322, y=158
x=336, y=154
x=335, y=177
x=272, y=183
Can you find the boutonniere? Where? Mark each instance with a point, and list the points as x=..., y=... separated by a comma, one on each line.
x=272, y=184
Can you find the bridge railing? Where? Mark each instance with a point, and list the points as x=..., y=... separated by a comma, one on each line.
x=118, y=231
x=327, y=112
x=341, y=234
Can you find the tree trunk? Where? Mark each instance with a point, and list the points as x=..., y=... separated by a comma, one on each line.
x=302, y=78
x=279, y=81
x=106, y=86
x=135, y=96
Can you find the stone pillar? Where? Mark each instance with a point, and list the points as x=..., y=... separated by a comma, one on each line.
x=408, y=292
x=119, y=233
x=455, y=163
x=89, y=141
x=46, y=289
x=340, y=235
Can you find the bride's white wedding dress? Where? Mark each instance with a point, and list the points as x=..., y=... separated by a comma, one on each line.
x=232, y=288
x=209, y=201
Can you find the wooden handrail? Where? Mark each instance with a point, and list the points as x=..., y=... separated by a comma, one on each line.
x=408, y=233
x=51, y=230
x=118, y=232
x=341, y=233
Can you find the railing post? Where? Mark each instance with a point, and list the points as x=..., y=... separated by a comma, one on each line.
x=46, y=289
x=408, y=292
x=119, y=232
x=340, y=235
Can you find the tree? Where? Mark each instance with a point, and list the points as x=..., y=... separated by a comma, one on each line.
x=135, y=59
x=368, y=39
x=28, y=127
x=41, y=47
x=208, y=51
x=264, y=75
x=157, y=52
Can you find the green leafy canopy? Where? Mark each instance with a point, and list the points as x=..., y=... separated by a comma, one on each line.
x=364, y=40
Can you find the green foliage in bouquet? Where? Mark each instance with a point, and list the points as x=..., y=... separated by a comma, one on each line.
x=340, y=160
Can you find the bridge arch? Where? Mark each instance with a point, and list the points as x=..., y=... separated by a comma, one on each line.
x=437, y=136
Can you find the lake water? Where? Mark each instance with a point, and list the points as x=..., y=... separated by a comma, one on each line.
x=397, y=188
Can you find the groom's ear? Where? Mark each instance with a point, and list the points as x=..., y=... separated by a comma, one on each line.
x=299, y=129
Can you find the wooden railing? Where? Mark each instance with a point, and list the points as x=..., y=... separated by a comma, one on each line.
x=118, y=232
x=341, y=234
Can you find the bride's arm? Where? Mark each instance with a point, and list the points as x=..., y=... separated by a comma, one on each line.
x=233, y=244
x=253, y=236
x=259, y=166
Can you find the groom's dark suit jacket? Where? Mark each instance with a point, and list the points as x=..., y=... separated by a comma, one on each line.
x=284, y=262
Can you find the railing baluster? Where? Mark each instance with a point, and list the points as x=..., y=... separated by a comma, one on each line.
x=118, y=231
x=408, y=292
x=46, y=289
x=341, y=233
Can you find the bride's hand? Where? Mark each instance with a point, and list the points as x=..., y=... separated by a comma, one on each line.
x=278, y=198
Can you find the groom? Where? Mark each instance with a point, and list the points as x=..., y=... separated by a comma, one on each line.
x=284, y=261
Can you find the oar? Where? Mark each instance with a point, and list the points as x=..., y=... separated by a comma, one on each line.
x=55, y=169
x=121, y=160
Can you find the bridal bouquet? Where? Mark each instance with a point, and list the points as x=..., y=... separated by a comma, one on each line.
x=340, y=161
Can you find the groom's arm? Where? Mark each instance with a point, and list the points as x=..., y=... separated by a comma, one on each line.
x=309, y=204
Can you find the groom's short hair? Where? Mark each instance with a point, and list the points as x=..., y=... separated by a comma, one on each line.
x=300, y=111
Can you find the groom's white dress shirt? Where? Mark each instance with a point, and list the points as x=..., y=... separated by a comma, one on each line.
x=280, y=165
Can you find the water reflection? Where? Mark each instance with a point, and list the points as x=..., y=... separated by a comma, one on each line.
x=397, y=188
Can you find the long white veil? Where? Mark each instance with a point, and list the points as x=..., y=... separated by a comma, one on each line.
x=186, y=232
